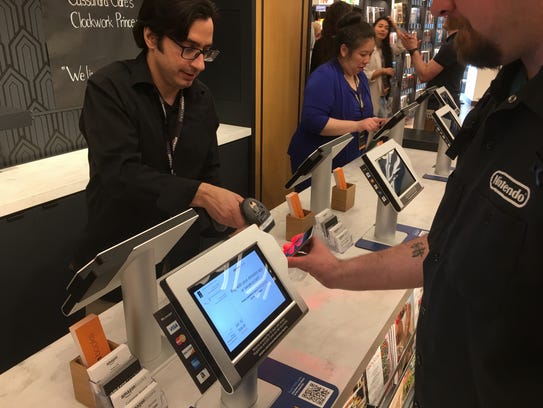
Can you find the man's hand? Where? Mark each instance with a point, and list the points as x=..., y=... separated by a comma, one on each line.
x=408, y=41
x=319, y=262
x=221, y=204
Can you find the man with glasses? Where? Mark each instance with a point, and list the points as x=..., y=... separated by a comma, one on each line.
x=150, y=126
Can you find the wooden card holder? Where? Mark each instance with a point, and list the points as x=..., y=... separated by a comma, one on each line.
x=297, y=225
x=343, y=199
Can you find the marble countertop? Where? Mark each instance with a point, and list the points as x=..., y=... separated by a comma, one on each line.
x=333, y=342
x=37, y=182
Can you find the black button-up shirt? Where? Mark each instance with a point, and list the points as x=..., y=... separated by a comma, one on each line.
x=131, y=186
x=477, y=342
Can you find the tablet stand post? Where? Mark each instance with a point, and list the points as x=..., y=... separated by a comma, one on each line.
x=140, y=300
x=386, y=220
x=442, y=167
x=384, y=231
x=420, y=115
x=397, y=131
x=443, y=162
x=321, y=185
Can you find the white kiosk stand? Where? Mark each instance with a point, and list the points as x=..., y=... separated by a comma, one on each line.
x=236, y=303
x=447, y=126
x=443, y=165
x=388, y=169
x=318, y=167
x=131, y=265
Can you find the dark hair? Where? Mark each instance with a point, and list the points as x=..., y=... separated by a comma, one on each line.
x=172, y=18
x=324, y=48
x=333, y=15
x=352, y=31
x=385, y=44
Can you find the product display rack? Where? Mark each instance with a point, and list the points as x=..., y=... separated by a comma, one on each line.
x=414, y=16
x=388, y=380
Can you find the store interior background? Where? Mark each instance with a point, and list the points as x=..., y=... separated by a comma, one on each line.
x=257, y=82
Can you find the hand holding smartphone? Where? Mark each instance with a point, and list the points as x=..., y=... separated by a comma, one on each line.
x=299, y=244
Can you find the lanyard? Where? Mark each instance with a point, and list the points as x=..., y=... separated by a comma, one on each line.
x=358, y=94
x=362, y=136
x=171, y=142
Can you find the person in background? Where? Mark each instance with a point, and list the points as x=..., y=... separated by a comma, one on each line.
x=379, y=70
x=316, y=30
x=481, y=265
x=324, y=47
x=444, y=69
x=150, y=126
x=314, y=34
x=337, y=98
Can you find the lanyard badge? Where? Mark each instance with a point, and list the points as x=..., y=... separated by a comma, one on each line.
x=171, y=140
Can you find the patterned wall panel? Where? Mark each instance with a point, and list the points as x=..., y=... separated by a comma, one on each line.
x=26, y=83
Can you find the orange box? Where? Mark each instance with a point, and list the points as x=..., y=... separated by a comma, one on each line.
x=90, y=339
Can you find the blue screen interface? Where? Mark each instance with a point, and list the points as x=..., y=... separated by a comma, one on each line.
x=239, y=297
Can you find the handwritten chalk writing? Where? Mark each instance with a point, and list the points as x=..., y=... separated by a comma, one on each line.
x=77, y=75
x=122, y=3
x=88, y=21
x=123, y=22
x=89, y=3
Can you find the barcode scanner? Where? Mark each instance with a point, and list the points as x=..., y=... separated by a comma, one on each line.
x=255, y=212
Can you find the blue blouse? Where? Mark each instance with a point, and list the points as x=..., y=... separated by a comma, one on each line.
x=328, y=95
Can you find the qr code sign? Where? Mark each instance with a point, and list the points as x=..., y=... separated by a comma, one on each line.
x=316, y=394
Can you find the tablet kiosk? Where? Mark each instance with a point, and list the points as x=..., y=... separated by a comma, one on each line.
x=445, y=98
x=447, y=123
x=304, y=170
x=385, y=132
x=237, y=303
x=388, y=169
x=318, y=166
x=425, y=94
x=131, y=265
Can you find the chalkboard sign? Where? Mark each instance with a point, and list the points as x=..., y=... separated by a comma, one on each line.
x=83, y=36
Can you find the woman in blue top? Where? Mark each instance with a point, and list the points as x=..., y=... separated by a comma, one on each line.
x=337, y=97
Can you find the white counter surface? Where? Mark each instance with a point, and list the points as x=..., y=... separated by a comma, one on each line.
x=34, y=183
x=333, y=342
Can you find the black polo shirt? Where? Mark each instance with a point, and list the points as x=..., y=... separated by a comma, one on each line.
x=131, y=187
x=452, y=73
x=478, y=341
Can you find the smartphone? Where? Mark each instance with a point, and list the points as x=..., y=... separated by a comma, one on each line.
x=300, y=245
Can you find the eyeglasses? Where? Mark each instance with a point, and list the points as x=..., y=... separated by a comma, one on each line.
x=191, y=53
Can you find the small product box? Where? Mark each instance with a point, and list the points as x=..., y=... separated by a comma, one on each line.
x=297, y=225
x=343, y=199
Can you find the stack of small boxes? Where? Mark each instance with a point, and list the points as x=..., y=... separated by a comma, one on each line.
x=107, y=375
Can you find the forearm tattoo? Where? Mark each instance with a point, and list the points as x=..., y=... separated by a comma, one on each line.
x=418, y=250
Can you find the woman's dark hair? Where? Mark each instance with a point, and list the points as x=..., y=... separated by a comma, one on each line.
x=172, y=18
x=324, y=48
x=333, y=15
x=385, y=44
x=352, y=31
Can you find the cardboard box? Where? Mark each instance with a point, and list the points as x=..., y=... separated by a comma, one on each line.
x=343, y=199
x=80, y=380
x=297, y=225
